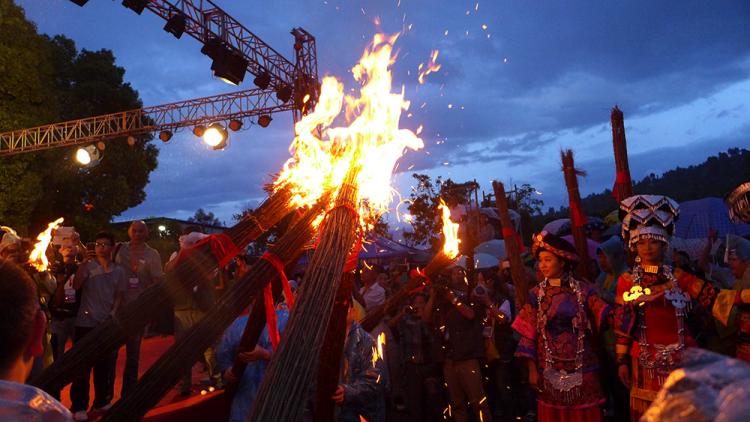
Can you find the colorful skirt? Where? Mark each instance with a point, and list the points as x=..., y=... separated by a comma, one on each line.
x=584, y=413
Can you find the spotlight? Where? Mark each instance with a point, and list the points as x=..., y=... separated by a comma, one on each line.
x=213, y=48
x=215, y=136
x=88, y=156
x=131, y=140
x=264, y=120
x=176, y=25
x=135, y=5
x=262, y=80
x=284, y=93
x=80, y=2
x=199, y=130
x=235, y=125
x=230, y=67
x=165, y=135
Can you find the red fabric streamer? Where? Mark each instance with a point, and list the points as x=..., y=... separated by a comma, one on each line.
x=509, y=233
x=577, y=217
x=622, y=177
x=273, y=328
x=418, y=273
x=353, y=258
x=222, y=248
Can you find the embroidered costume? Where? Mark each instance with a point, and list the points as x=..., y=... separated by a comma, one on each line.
x=557, y=329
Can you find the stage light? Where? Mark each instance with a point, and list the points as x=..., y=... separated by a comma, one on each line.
x=262, y=80
x=80, y=2
x=264, y=120
x=213, y=48
x=176, y=25
x=230, y=67
x=131, y=140
x=135, y=5
x=215, y=136
x=88, y=156
x=235, y=125
x=165, y=135
x=199, y=130
x=284, y=93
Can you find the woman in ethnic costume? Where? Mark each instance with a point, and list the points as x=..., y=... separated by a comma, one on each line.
x=652, y=301
x=557, y=336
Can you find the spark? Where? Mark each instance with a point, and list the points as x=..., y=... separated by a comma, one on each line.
x=430, y=67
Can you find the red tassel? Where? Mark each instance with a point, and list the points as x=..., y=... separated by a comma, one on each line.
x=273, y=327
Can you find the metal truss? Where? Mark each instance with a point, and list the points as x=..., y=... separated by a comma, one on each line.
x=237, y=105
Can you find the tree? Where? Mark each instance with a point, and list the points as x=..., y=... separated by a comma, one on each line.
x=206, y=218
x=45, y=80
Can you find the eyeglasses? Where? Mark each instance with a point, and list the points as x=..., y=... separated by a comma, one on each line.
x=103, y=244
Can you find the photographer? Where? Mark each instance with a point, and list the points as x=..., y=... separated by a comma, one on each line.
x=460, y=320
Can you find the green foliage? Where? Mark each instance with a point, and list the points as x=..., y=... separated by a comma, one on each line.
x=43, y=80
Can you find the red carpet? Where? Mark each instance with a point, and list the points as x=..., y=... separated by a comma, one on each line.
x=197, y=407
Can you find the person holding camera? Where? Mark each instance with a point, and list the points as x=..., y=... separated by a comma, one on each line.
x=558, y=329
x=460, y=321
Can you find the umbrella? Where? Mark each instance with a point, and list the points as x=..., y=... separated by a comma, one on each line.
x=558, y=227
x=590, y=245
x=698, y=216
x=481, y=260
x=494, y=247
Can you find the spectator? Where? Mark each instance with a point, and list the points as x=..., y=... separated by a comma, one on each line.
x=372, y=292
x=611, y=258
x=22, y=326
x=738, y=260
x=421, y=372
x=64, y=306
x=256, y=360
x=143, y=268
x=361, y=393
x=493, y=293
x=465, y=345
x=102, y=284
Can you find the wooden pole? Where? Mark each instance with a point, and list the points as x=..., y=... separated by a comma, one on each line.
x=512, y=246
x=623, y=187
x=283, y=393
x=193, y=268
x=163, y=374
x=332, y=351
x=577, y=217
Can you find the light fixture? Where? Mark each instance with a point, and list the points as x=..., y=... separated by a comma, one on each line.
x=284, y=93
x=131, y=140
x=235, y=125
x=264, y=120
x=135, y=5
x=165, y=135
x=199, y=130
x=230, y=67
x=80, y=2
x=176, y=25
x=215, y=136
x=88, y=156
x=162, y=228
x=262, y=80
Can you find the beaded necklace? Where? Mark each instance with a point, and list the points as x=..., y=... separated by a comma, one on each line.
x=567, y=385
x=664, y=357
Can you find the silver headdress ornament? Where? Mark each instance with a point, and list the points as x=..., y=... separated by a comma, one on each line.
x=738, y=202
x=648, y=217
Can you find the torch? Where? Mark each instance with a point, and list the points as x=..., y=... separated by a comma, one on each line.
x=577, y=217
x=623, y=187
x=512, y=245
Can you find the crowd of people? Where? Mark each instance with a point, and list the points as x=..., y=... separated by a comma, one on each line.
x=471, y=344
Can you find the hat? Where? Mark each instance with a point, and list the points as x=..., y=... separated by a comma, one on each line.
x=648, y=217
x=737, y=247
x=738, y=202
x=556, y=245
x=10, y=237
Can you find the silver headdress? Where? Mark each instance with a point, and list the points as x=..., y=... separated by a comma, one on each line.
x=738, y=202
x=648, y=217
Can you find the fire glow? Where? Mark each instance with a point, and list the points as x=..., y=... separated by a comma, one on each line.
x=38, y=256
x=450, y=231
x=322, y=153
x=430, y=67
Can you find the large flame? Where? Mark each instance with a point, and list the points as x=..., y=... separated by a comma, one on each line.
x=38, y=256
x=372, y=140
x=450, y=232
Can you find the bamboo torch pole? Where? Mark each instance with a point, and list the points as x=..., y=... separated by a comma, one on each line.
x=512, y=245
x=332, y=351
x=577, y=217
x=623, y=187
x=163, y=374
x=283, y=393
x=194, y=266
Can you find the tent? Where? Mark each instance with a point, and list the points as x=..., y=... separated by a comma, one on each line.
x=700, y=215
x=384, y=248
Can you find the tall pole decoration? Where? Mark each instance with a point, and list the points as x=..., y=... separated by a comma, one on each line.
x=623, y=187
x=283, y=393
x=512, y=245
x=163, y=374
x=577, y=217
x=195, y=266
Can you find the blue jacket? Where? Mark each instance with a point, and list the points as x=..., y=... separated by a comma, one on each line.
x=250, y=383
